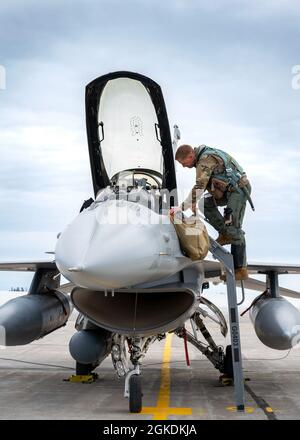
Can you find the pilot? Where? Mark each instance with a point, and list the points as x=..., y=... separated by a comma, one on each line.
x=227, y=185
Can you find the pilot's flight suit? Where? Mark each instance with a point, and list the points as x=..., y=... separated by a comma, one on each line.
x=211, y=176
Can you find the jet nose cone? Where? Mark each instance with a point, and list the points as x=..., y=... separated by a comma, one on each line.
x=98, y=251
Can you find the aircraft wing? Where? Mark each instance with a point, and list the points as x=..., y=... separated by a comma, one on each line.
x=262, y=268
x=31, y=266
x=253, y=284
x=213, y=270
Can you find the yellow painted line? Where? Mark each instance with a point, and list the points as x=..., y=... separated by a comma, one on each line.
x=162, y=410
x=248, y=409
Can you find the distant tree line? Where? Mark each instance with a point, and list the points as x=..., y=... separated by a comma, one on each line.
x=18, y=289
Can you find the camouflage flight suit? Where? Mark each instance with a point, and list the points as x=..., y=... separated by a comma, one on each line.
x=221, y=194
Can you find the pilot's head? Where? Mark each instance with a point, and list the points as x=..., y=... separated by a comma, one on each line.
x=186, y=156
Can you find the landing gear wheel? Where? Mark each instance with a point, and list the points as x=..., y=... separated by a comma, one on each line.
x=228, y=364
x=227, y=378
x=135, y=394
x=84, y=369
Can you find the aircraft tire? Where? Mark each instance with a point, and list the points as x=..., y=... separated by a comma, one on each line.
x=228, y=365
x=84, y=369
x=135, y=394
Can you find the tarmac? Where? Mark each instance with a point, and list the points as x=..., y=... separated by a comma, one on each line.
x=32, y=384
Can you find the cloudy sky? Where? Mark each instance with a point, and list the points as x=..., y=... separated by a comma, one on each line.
x=225, y=68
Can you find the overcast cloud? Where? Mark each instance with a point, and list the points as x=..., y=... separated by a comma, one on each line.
x=225, y=69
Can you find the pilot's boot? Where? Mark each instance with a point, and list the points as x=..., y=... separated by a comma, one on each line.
x=240, y=262
x=241, y=273
x=224, y=239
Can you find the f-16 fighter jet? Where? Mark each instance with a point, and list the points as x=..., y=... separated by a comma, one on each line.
x=129, y=277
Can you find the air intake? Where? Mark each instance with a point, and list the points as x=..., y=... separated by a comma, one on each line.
x=136, y=312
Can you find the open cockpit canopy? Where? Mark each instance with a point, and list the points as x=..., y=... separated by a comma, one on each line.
x=128, y=133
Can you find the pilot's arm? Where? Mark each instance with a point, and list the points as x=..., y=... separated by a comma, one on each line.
x=204, y=170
